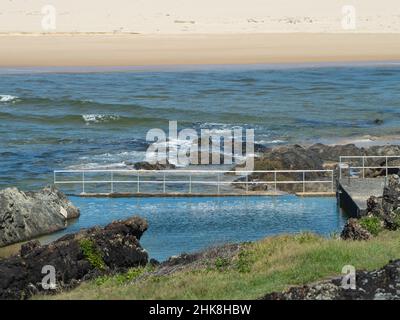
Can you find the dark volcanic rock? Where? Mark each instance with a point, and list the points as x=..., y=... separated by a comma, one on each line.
x=382, y=284
x=75, y=257
x=294, y=157
x=150, y=166
x=354, y=231
x=332, y=153
x=385, y=208
x=25, y=215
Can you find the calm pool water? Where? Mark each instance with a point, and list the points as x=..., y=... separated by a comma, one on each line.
x=179, y=225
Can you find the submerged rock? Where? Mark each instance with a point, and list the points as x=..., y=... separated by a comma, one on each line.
x=75, y=257
x=25, y=215
x=382, y=284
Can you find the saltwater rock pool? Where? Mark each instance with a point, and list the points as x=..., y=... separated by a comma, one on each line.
x=179, y=225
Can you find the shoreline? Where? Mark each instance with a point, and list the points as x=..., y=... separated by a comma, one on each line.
x=123, y=50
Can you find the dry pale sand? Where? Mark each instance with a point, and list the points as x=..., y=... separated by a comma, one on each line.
x=132, y=50
x=159, y=32
x=201, y=16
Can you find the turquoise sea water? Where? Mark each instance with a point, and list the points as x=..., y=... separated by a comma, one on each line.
x=179, y=225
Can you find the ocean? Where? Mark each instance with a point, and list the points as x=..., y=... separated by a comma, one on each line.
x=58, y=120
x=68, y=119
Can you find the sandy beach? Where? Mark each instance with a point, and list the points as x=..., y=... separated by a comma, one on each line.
x=172, y=32
x=139, y=50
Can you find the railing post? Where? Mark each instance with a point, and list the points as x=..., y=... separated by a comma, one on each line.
x=386, y=166
x=247, y=182
x=164, y=184
x=218, y=183
x=112, y=182
x=340, y=167
x=190, y=183
x=363, y=167
x=332, y=181
x=138, y=182
x=275, y=181
x=83, y=181
x=304, y=181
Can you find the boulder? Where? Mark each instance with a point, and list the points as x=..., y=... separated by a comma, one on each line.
x=75, y=257
x=354, y=231
x=143, y=165
x=25, y=215
x=333, y=152
x=379, y=284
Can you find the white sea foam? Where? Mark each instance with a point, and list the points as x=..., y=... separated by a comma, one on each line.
x=7, y=98
x=97, y=166
x=276, y=141
x=99, y=118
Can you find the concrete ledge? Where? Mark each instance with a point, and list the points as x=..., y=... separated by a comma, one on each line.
x=171, y=195
x=316, y=194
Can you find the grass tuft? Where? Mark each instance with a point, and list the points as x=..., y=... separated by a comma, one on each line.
x=92, y=254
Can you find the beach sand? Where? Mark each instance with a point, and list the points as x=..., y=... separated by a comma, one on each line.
x=139, y=50
x=172, y=32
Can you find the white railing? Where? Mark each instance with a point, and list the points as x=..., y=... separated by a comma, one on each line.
x=189, y=178
x=346, y=164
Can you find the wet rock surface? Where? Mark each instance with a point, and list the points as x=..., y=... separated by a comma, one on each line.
x=25, y=215
x=75, y=257
x=153, y=166
x=316, y=157
x=382, y=284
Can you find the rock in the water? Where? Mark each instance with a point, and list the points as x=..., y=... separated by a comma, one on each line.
x=382, y=284
x=25, y=215
x=156, y=166
x=354, y=231
x=332, y=153
x=75, y=257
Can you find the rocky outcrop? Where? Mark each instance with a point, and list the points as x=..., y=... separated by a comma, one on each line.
x=382, y=284
x=153, y=166
x=382, y=213
x=317, y=156
x=75, y=257
x=352, y=230
x=25, y=215
x=333, y=152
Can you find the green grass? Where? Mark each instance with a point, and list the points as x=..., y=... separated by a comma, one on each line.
x=372, y=224
x=92, y=254
x=272, y=264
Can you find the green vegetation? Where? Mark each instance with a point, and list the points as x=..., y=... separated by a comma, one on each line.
x=92, y=254
x=121, y=278
x=372, y=224
x=272, y=264
x=397, y=218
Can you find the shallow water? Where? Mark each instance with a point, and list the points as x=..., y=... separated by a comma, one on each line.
x=56, y=120
x=179, y=225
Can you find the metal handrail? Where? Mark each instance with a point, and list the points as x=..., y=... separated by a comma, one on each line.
x=363, y=167
x=141, y=173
